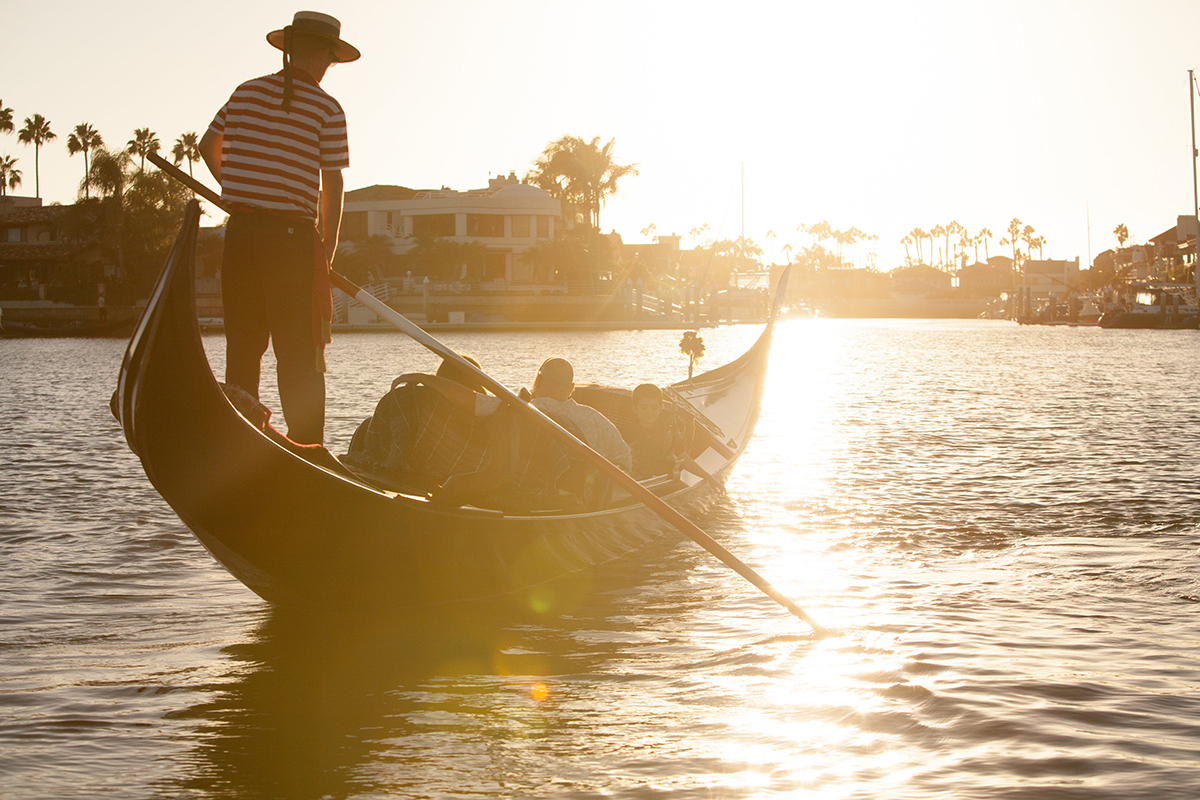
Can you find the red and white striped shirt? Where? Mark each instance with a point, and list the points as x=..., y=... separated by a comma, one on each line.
x=271, y=158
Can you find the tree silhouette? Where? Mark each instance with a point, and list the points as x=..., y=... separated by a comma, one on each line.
x=985, y=235
x=143, y=143
x=36, y=132
x=1122, y=234
x=110, y=176
x=186, y=146
x=6, y=119
x=84, y=139
x=10, y=176
x=1014, y=233
x=1027, y=237
x=581, y=174
x=918, y=236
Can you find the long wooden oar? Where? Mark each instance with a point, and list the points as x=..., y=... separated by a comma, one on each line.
x=615, y=473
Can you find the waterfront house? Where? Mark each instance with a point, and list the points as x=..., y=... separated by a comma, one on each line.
x=507, y=219
x=1042, y=278
x=38, y=261
x=986, y=280
x=1174, y=251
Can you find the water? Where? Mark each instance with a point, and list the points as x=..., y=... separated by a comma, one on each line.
x=1001, y=523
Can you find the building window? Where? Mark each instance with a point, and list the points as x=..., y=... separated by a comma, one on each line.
x=485, y=225
x=520, y=226
x=433, y=225
x=543, y=227
x=13, y=235
x=495, y=267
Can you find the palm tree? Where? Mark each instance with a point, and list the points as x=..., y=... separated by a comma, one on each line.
x=1027, y=237
x=820, y=231
x=6, y=123
x=83, y=140
x=143, y=143
x=581, y=174
x=951, y=228
x=906, y=241
x=36, y=132
x=918, y=236
x=186, y=146
x=10, y=176
x=936, y=230
x=110, y=175
x=787, y=252
x=985, y=234
x=1038, y=242
x=1122, y=234
x=1014, y=233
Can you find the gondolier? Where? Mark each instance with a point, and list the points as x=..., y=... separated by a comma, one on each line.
x=278, y=147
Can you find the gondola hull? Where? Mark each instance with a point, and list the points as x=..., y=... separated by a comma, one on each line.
x=298, y=533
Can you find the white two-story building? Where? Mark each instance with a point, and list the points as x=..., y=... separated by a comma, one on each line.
x=507, y=218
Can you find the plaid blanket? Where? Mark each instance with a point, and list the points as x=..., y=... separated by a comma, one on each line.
x=418, y=439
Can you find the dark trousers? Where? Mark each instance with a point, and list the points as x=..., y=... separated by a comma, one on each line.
x=267, y=293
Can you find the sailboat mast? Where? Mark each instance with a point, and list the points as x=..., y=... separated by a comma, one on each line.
x=1195, y=194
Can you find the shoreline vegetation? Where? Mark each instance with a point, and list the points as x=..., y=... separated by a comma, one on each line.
x=111, y=242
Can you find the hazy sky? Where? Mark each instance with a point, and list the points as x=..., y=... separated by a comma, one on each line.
x=880, y=115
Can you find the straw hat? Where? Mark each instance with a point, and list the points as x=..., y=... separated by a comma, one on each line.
x=317, y=24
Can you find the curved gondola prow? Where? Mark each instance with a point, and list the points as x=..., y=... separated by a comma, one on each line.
x=180, y=265
x=701, y=390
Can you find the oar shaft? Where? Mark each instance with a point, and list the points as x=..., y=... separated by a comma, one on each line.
x=618, y=476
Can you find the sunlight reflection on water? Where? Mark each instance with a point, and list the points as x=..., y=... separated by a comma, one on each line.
x=1000, y=523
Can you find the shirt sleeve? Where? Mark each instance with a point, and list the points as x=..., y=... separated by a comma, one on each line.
x=335, y=142
x=217, y=126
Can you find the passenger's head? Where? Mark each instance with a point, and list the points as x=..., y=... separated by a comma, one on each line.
x=647, y=403
x=452, y=370
x=555, y=379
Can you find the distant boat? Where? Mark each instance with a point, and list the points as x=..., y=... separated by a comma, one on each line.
x=1156, y=306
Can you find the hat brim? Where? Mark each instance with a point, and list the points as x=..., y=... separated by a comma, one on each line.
x=343, y=52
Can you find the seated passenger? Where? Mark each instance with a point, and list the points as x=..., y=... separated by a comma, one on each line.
x=552, y=388
x=426, y=436
x=657, y=440
x=415, y=438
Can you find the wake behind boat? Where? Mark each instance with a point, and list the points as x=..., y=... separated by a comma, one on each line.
x=296, y=527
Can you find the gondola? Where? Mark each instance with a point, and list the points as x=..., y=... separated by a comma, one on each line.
x=298, y=529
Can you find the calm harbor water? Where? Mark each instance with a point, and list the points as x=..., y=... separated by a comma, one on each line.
x=1002, y=524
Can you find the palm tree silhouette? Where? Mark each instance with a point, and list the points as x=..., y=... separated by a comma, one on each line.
x=36, y=132
x=186, y=146
x=1014, y=233
x=986, y=234
x=110, y=175
x=10, y=176
x=143, y=143
x=581, y=174
x=6, y=123
x=84, y=139
x=1122, y=234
